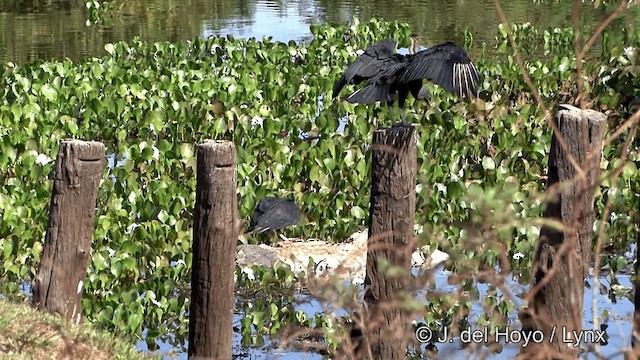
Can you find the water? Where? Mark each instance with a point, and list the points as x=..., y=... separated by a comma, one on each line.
x=32, y=30
x=618, y=331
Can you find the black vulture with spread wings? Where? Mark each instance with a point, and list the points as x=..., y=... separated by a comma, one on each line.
x=388, y=73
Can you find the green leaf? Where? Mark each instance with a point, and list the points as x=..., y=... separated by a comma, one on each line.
x=109, y=48
x=258, y=318
x=7, y=246
x=116, y=268
x=49, y=92
x=99, y=261
x=357, y=212
x=186, y=151
x=488, y=164
x=314, y=174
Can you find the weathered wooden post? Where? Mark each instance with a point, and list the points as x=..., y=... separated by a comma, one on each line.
x=57, y=287
x=215, y=236
x=562, y=257
x=391, y=241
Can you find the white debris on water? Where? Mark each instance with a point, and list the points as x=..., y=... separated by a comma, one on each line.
x=346, y=260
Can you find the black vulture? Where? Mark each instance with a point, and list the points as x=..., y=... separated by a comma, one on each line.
x=634, y=105
x=388, y=73
x=274, y=213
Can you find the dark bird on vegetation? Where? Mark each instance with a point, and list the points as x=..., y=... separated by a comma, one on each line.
x=634, y=105
x=274, y=213
x=388, y=73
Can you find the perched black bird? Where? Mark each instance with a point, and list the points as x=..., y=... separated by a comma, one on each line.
x=388, y=73
x=274, y=213
x=634, y=105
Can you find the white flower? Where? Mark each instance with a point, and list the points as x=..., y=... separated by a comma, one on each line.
x=518, y=256
x=257, y=121
x=249, y=272
x=156, y=302
x=42, y=159
x=131, y=227
x=156, y=153
x=628, y=51
x=180, y=262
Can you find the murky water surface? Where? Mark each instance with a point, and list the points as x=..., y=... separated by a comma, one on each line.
x=39, y=29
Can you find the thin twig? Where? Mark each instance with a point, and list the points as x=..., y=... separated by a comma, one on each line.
x=619, y=10
x=534, y=91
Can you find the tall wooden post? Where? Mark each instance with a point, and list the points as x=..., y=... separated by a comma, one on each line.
x=215, y=236
x=391, y=241
x=562, y=257
x=57, y=287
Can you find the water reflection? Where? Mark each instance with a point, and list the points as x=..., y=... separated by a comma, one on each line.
x=42, y=29
x=284, y=21
x=617, y=327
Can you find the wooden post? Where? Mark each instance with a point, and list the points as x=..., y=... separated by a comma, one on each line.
x=562, y=257
x=57, y=287
x=391, y=240
x=215, y=236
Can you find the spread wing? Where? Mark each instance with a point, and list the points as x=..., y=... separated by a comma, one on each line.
x=446, y=65
x=366, y=65
x=379, y=87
